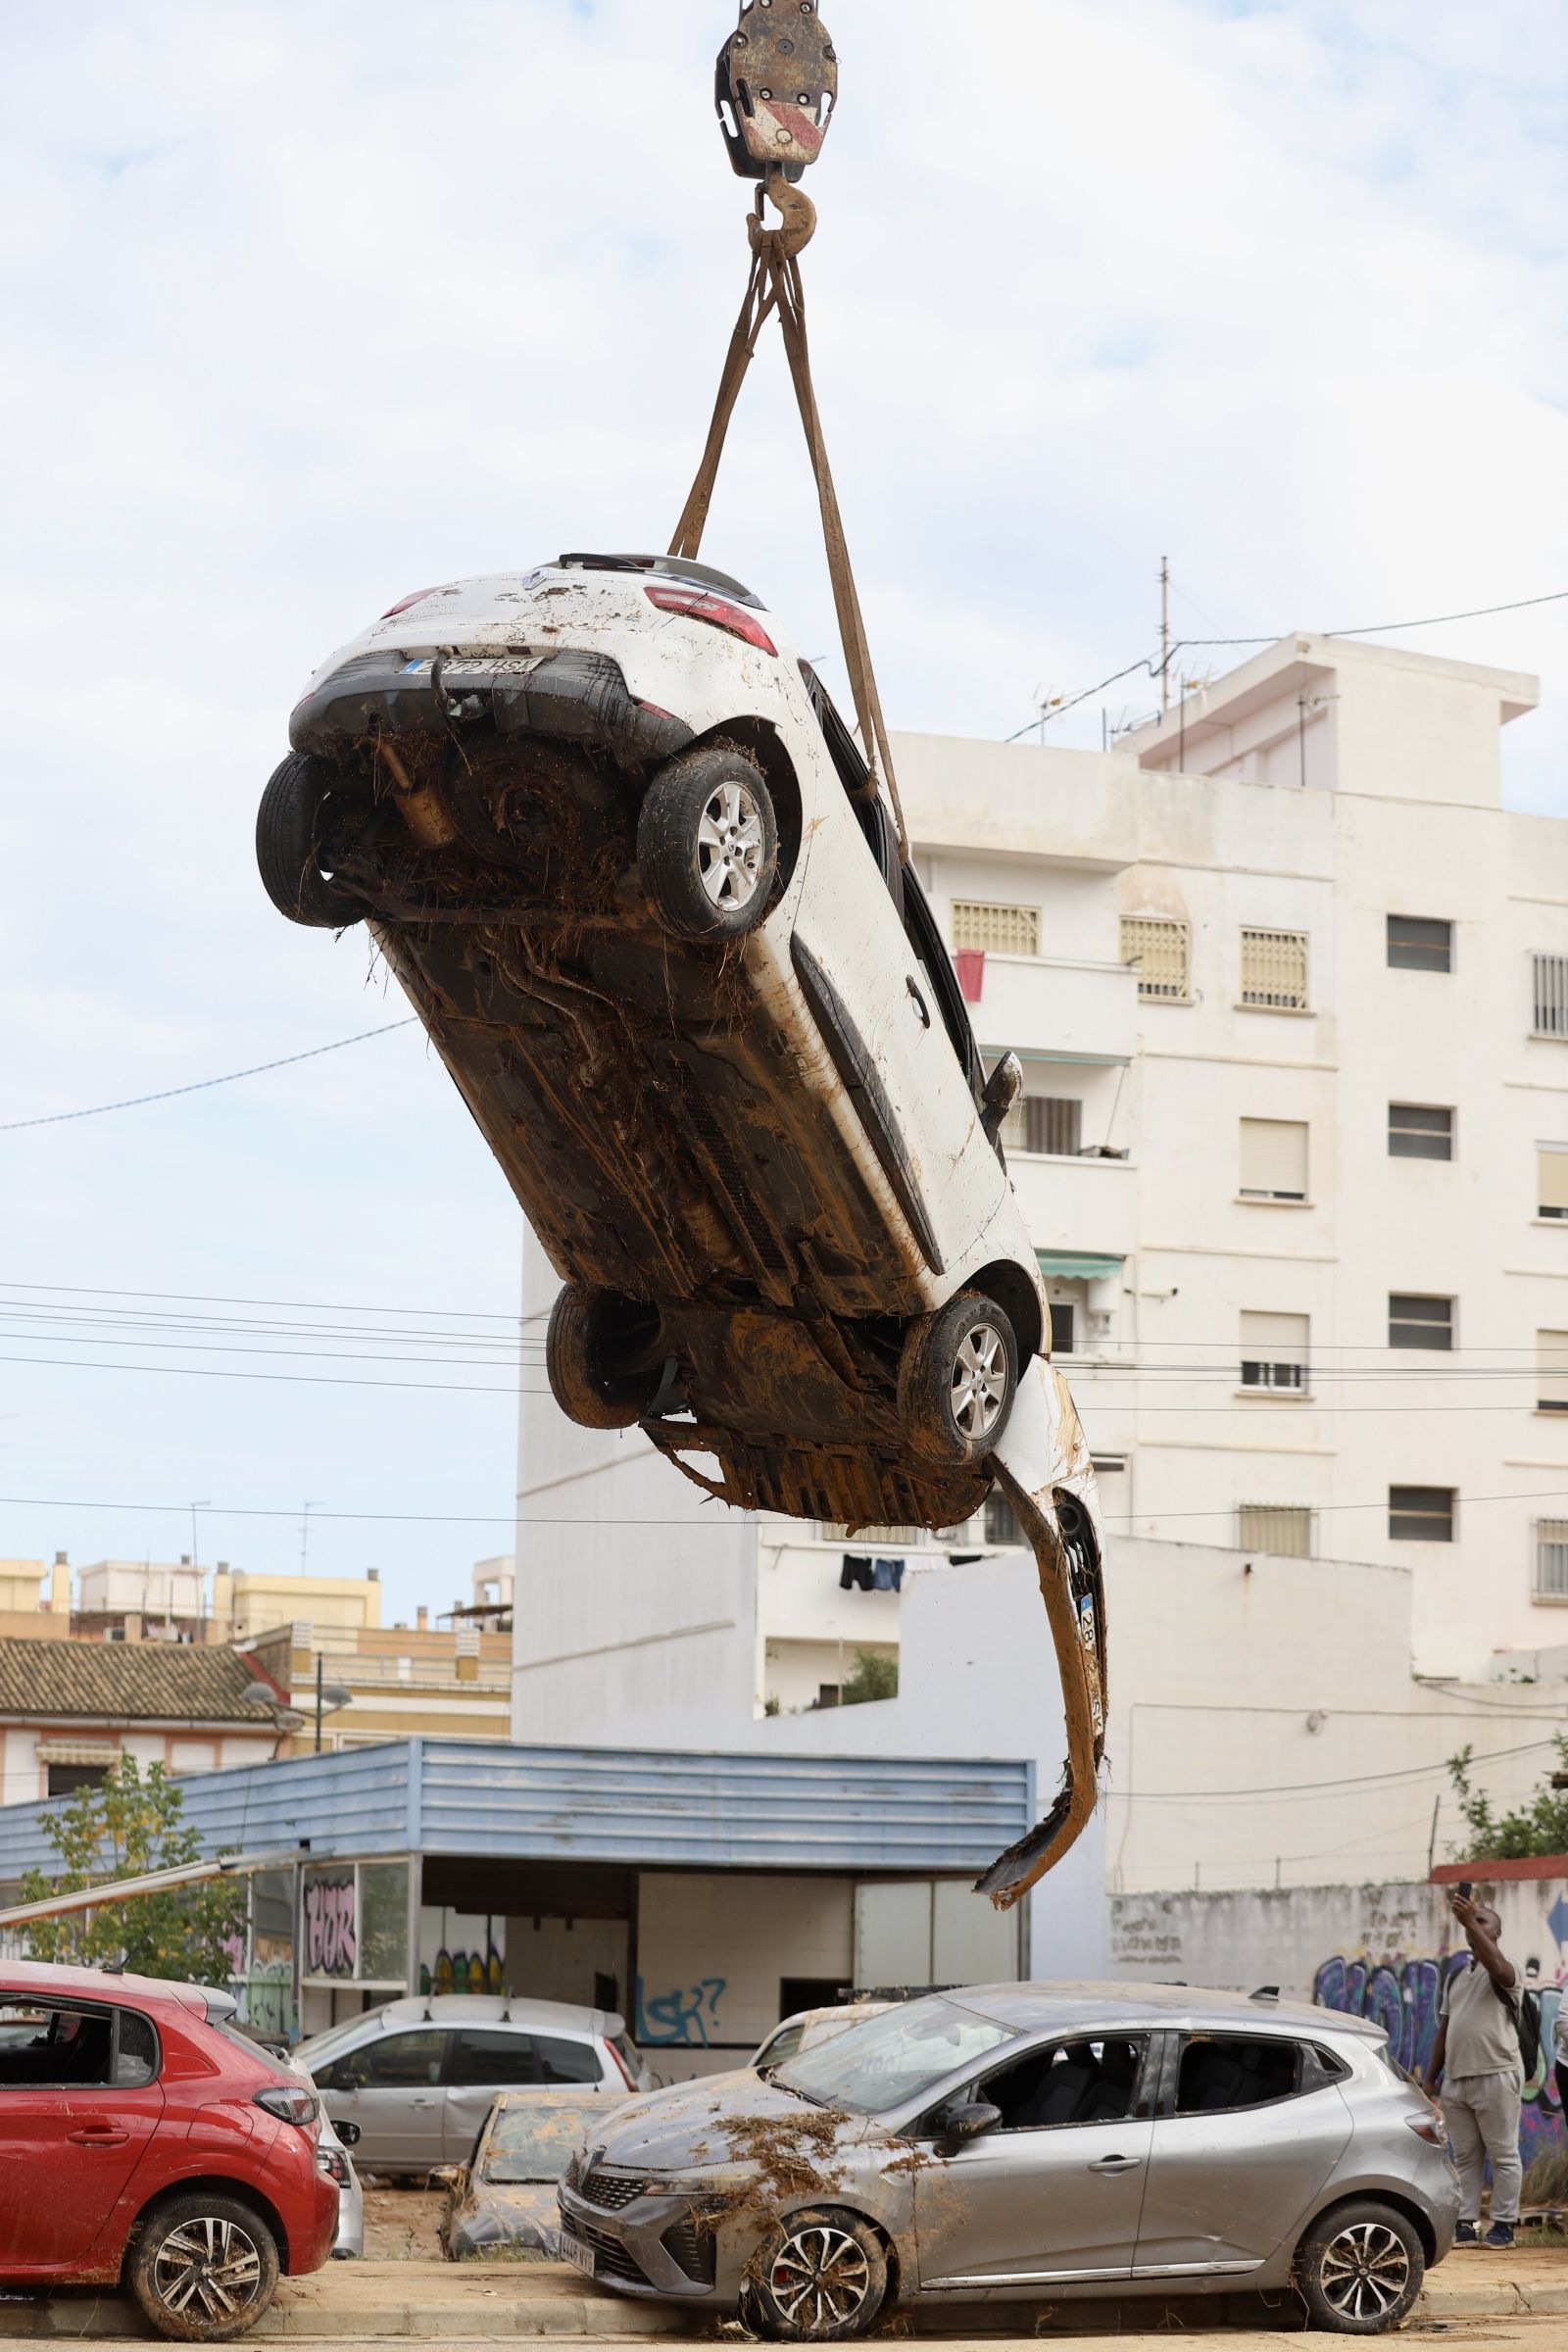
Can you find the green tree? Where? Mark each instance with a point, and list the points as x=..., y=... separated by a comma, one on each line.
x=874, y=1677
x=1540, y=1825
x=133, y=1824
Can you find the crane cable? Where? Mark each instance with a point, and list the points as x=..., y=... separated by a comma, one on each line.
x=774, y=286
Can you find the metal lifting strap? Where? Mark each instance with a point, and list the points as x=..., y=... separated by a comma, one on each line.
x=774, y=286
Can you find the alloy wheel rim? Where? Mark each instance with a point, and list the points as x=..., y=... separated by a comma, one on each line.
x=820, y=2277
x=729, y=848
x=209, y=2266
x=979, y=1380
x=1365, y=2270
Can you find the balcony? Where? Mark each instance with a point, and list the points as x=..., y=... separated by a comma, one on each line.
x=1088, y=1207
x=1053, y=1008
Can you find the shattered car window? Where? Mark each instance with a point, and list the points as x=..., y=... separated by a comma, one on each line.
x=532, y=2145
x=894, y=2057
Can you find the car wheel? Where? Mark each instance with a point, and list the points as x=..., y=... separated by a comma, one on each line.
x=203, y=2268
x=1361, y=2269
x=288, y=831
x=588, y=1329
x=823, y=2274
x=708, y=844
x=957, y=1380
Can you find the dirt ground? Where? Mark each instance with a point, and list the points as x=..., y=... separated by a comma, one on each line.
x=400, y=2224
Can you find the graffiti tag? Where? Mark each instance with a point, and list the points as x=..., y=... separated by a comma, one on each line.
x=687, y=2016
x=331, y=1936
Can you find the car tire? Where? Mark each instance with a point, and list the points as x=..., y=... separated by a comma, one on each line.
x=203, y=2268
x=1360, y=2267
x=958, y=1379
x=708, y=844
x=822, y=2276
x=288, y=846
x=578, y=1350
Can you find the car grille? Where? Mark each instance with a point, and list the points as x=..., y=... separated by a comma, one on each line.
x=611, y=2258
x=609, y=2192
x=692, y=2248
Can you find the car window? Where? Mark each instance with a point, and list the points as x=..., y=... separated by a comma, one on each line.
x=500, y=2058
x=397, y=2062
x=45, y=2043
x=135, y=2050
x=1091, y=2079
x=920, y=929
x=529, y=2142
x=895, y=2056
x=1220, y=2073
x=566, y=2061
x=784, y=2045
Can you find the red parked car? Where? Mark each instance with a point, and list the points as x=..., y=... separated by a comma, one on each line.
x=145, y=2139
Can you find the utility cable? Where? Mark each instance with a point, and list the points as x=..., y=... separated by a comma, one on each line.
x=58, y=1118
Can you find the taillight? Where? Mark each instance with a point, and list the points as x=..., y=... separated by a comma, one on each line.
x=628, y=2075
x=335, y=2163
x=717, y=611
x=417, y=598
x=1429, y=2128
x=289, y=2104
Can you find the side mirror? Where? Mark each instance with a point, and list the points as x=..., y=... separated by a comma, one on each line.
x=1002, y=1088
x=341, y=2076
x=348, y=2133
x=962, y=2124
x=445, y=2176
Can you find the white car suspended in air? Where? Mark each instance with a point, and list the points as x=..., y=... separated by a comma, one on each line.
x=634, y=874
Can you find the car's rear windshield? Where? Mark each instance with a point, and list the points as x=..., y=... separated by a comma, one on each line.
x=538, y=2144
x=894, y=2057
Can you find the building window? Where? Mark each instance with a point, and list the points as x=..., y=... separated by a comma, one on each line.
x=1274, y=970
x=991, y=930
x=1064, y=1326
x=1417, y=944
x=882, y=1539
x=1420, y=1131
x=1044, y=1123
x=1421, y=1514
x=1551, y=996
x=1552, y=1559
x=1552, y=1180
x=1273, y=1159
x=1420, y=1322
x=1001, y=1522
x=1274, y=1352
x=1161, y=948
x=1282, y=1528
x=1551, y=1371
x=64, y=1780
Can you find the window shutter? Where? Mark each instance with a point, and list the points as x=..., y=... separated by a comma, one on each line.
x=1282, y=1528
x=1551, y=1371
x=1274, y=970
x=1552, y=996
x=1160, y=946
x=1284, y=1338
x=1274, y=1158
x=1552, y=1182
x=1552, y=1559
x=994, y=930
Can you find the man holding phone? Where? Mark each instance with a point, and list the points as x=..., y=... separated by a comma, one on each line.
x=1477, y=2056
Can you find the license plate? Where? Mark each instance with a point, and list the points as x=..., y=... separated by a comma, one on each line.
x=581, y=2257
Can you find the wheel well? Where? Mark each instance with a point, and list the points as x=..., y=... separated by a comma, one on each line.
x=1414, y=2213
x=761, y=740
x=239, y=2193
x=884, y=2237
x=1012, y=1288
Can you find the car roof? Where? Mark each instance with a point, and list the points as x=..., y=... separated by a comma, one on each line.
x=674, y=567
x=580, y=2094
x=1038, y=2008
x=849, y=2013
x=490, y=2009
x=58, y=1981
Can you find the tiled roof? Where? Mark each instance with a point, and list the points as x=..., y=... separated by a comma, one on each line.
x=125, y=1681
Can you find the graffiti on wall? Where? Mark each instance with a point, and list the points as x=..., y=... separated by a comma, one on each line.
x=687, y=2016
x=464, y=1972
x=332, y=1926
x=1403, y=1996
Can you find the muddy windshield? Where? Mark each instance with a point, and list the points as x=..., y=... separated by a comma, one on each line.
x=530, y=2143
x=897, y=2056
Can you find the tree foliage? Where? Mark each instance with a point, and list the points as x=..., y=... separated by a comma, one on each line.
x=1540, y=1825
x=133, y=1824
x=873, y=1677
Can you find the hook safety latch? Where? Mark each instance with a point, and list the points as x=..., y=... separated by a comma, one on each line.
x=775, y=88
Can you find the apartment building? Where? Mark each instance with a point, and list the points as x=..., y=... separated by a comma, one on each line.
x=1290, y=991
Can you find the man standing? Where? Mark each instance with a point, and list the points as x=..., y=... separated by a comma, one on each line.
x=1477, y=2055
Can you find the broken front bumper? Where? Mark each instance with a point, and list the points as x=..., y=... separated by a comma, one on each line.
x=569, y=696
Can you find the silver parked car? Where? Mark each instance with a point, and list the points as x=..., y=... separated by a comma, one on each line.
x=1024, y=2139
x=420, y=2075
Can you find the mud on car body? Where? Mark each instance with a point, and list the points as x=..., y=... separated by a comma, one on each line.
x=633, y=873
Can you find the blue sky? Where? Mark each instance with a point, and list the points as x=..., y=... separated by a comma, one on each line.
x=304, y=309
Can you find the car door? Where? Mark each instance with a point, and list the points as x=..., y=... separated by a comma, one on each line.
x=393, y=2088
x=1249, y=2127
x=487, y=2060
x=1053, y=2192
x=79, y=2103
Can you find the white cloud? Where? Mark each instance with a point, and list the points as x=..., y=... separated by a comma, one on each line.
x=307, y=306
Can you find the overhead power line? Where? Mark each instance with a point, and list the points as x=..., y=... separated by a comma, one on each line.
x=58, y=1118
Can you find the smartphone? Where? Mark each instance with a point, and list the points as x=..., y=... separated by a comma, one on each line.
x=1465, y=1891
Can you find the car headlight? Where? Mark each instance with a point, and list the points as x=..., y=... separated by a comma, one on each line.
x=723, y=2181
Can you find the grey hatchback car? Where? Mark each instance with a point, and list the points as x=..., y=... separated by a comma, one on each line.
x=1015, y=2141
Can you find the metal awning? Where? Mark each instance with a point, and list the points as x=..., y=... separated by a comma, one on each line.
x=1078, y=1265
